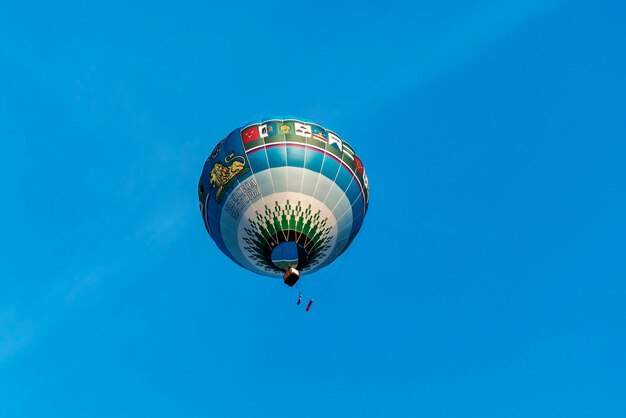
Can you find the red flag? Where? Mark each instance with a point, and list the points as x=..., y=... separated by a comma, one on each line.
x=358, y=164
x=250, y=134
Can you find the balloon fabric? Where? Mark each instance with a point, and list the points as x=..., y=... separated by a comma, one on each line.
x=283, y=193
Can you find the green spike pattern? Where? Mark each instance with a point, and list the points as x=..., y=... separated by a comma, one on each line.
x=307, y=224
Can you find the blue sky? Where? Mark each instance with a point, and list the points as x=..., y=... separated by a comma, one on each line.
x=488, y=278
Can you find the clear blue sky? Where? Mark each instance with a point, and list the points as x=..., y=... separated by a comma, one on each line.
x=488, y=279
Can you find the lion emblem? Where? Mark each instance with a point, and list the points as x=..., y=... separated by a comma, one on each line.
x=221, y=174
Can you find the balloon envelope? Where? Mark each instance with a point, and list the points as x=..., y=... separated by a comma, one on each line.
x=281, y=193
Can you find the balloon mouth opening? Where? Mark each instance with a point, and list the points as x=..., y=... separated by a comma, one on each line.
x=288, y=254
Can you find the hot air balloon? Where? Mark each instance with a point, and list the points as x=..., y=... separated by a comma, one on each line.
x=282, y=197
